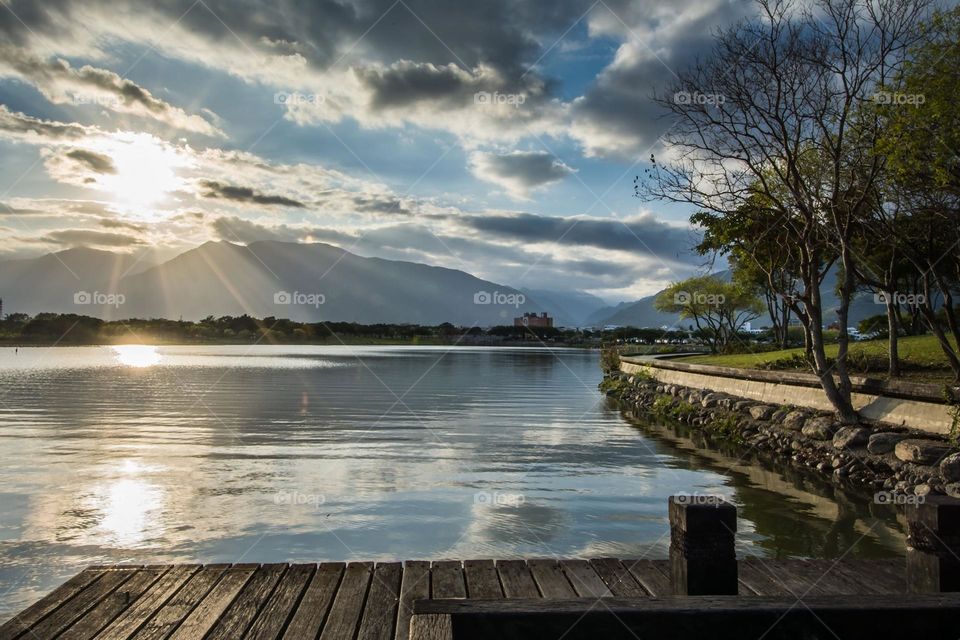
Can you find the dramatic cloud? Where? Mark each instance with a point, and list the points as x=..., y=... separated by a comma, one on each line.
x=62, y=84
x=90, y=238
x=96, y=162
x=246, y=195
x=519, y=172
x=338, y=113
x=20, y=127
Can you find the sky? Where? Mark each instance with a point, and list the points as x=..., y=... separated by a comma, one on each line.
x=499, y=137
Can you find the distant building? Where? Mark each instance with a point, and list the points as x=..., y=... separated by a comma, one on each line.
x=533, y=320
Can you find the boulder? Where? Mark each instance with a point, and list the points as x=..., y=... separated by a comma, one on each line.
x=819, y=428
x=850, y=437
x=920, y=451
x=952, y=489
x=884, y=442
x=950, y=468
x=761, y=411
x=794, y=420
x=711, y=400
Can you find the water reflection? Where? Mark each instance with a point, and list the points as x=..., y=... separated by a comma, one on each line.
x=786, y=511
x=280, y=453
x=137, y=355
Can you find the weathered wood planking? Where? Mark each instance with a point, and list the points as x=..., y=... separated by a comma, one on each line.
x=375, y=601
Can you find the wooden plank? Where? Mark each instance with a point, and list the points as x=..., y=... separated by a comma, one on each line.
x=777, y=578
x=584, y=579
x=516, y=579
x=431, y=627
x=179, y=606
x=617, y=578
x=312, y=611
x=347, y=607
x=36, y=612
x=414, y=586
x=62, y=618
x=282, y=603
x=550, y=579
x=482, y=580
x=755, y=579
x=134, y=616
x=246, y=605
x=835, y=577
x=815, y=580
x=651, y=575
x=114, y=604
x=208, y=611
x=876, y=576
x=380, y=613
x=446, y=579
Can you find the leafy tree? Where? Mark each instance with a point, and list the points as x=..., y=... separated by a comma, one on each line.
x=919, y=143
x=718, y=309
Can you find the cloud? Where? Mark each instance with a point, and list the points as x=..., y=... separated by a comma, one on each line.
x=96, y=162
x=245, y=195
x=91, y=238
x=23, y=128
x=519, y=172
x=61, y=83
x=643, y=233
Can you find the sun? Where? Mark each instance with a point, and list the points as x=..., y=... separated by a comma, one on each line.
x=145, y=171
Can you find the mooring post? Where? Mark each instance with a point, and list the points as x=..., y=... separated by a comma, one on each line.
x=933, y=545
x=703, y=561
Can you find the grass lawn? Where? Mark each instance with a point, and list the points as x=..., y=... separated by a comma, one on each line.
x=920, y=356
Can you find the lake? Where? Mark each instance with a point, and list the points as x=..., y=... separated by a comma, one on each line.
x=308, y=453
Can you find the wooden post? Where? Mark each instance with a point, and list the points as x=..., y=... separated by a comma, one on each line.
x=703, y=561
x=933, y=545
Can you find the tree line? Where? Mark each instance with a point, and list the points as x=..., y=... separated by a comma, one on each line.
x=71, y=328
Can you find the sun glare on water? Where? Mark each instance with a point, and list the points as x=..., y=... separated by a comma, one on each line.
x=137, y=355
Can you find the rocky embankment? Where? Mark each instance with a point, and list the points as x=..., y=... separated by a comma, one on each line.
x=893, y=463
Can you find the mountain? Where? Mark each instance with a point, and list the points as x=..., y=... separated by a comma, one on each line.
x=568, y=308
x=641, y=313
x=50, y=282
x=304, y=282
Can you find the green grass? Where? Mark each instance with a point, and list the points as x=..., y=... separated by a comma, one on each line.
x=921, y=358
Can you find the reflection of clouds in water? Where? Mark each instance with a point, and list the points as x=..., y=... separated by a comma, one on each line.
x=503, y=530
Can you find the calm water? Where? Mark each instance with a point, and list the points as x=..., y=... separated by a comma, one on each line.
x=272, y=453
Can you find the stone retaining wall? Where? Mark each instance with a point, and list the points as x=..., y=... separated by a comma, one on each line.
x=903, y=404
x=895, y=463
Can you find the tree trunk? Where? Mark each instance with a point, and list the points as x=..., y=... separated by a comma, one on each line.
x=843, y=339
x=893, y=326
x=838, y=395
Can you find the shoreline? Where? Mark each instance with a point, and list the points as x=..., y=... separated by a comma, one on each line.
x=895, y=464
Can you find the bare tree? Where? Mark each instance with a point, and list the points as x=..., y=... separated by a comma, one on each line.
x=770, y=126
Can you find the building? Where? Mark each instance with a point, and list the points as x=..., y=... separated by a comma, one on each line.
x=533, y=320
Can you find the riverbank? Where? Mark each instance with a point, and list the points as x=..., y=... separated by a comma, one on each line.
x=896, y=464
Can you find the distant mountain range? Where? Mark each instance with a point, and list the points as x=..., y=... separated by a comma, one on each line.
x=641, y=313
x=304, y=282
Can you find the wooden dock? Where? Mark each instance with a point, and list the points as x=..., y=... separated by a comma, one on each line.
x=701, y=587
x=334, y=601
